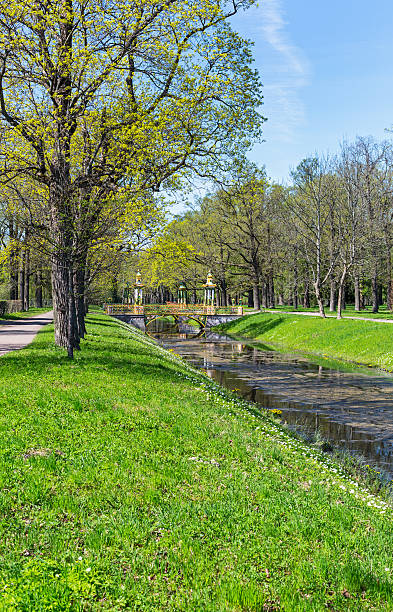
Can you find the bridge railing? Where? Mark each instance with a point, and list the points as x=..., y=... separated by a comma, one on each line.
x=123, y=309
x=171, y=309
x=174, y=308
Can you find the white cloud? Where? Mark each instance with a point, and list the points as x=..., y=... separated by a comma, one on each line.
x=287, y=77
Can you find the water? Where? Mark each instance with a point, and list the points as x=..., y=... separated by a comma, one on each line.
x=350, y=406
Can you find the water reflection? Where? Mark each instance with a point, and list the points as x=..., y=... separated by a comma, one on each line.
x=351, y=406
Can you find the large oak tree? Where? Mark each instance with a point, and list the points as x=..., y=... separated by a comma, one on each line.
x=102, y=101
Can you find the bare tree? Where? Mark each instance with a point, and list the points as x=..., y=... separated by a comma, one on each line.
x=350, y=217
x=370, y=161
x=311, y=207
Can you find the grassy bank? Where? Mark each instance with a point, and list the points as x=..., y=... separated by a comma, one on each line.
x=32, y=312
x=362, y=342
x=349, y=311
x=129, y=481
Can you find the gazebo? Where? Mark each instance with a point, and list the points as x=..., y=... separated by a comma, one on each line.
x=209, y=286
x=138, y=288
x=182, y=292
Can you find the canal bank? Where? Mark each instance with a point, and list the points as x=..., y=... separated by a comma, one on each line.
x=360, y=342
x=132, y=481
x=335, y=405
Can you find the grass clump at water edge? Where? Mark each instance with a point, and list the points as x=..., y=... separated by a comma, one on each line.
x=130, y=481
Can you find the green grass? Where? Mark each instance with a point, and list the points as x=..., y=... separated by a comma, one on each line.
x=362, y=342
x=349, y=311
x=130, y=481
x=26, y=313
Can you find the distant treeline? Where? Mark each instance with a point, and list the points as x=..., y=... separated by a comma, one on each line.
x=326, y=239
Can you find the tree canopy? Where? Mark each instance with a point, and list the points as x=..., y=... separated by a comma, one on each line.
x=102, y=102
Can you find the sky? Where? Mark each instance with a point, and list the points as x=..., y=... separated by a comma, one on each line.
x=327, y=71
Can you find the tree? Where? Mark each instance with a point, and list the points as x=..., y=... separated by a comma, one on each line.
x=167, y=260
x=312, y=207
x=371, y=163
x=241, y=209
x=98, y=100
x=352, y=215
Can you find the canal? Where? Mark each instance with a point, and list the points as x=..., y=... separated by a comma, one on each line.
x=349, y=406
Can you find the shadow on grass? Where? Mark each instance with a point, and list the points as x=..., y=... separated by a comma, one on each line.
x=42, y=355
x=97, y=320
x=257, y=328
x=98, y=323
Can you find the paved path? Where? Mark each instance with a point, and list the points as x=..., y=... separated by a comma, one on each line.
x=329, y=316
x=16, y=334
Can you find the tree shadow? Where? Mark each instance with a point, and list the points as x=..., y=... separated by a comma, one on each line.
x=98, y=323
x=36, y=359
x=257, y=328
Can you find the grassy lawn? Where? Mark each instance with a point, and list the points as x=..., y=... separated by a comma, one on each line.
x=348, y=312
x=26, y=313
x=362, y=342
x=130, y=481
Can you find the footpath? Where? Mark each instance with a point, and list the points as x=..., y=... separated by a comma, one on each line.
x=16, y=334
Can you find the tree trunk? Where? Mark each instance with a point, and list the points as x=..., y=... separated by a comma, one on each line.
x=250, y=301
x=26, y=293
x=341, y=293
x=79, y=291
x=60, y=291
x=295, y=283
x=389, y=296
x=26, y=296
x=13, y=282
x=13, y=264
x=73, y=329
x=38, y=289
x=115, y=289
x=22, y=280
x=319, y=299
x=64, y=306
x=357, y=292
x=264, y=295
x=306, y=297
x=332, y=302
x=255, y=290
x=389, y=288
x=270, y=290
x=66, y=330
x=374, y=290
x=86, y=293
x=223, y=300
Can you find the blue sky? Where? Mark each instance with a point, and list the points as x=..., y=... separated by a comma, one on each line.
x=327, y=70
